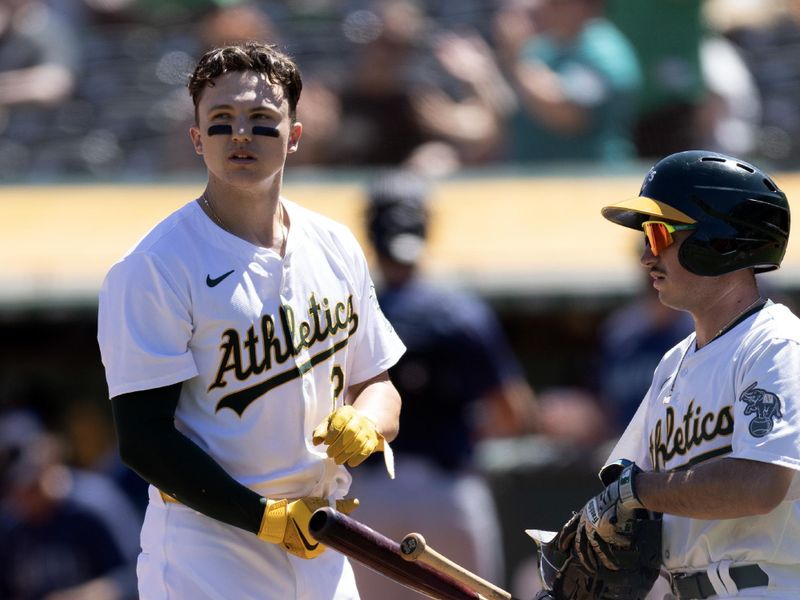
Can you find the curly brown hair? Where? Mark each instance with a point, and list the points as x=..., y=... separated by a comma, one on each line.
x=247, y=56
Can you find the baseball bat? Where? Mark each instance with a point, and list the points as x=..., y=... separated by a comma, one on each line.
x=382, y=555
x=415, y=548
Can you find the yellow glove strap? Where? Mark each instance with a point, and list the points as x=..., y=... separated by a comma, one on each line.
x=273, y=523
x=285, y=522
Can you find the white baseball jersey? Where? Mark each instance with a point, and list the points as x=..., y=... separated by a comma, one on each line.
x=265, y=346
x=737, y=397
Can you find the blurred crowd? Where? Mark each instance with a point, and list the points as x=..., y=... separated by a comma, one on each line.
x=96, y=88
x=70, y=532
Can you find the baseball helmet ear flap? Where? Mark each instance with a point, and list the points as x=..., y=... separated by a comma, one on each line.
x=736, y=230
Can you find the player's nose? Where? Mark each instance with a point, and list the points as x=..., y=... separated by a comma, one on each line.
x=647, y=259
x=240, y=131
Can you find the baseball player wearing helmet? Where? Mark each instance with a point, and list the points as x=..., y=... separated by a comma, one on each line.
x=246, y=357
x=715, y=443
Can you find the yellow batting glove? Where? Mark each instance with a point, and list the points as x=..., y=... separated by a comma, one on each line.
x=285, y=522
x=351, y=438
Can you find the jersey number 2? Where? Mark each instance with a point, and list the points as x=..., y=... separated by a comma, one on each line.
x=337, y=379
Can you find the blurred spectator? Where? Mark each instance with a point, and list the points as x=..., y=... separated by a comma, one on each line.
x=767, y=33
x=666, y=35
x=398, y=104
x=163, y=12
x=472, y=120
x=379, y=124
x=459, y=383
x=235, y=22
x=38, y=54
x=39, y=59
x=427, y=84
x=319, y=111
x=67, y=534
x=576, y=77
x=730, y=119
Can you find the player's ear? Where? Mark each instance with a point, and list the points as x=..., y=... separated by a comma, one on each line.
x=197, y=139
x=295, y=131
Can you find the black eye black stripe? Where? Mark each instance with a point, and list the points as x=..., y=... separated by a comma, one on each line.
x=262, y=130
x=220, y=130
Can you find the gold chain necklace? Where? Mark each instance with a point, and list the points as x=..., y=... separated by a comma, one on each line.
x=722, y=330
x=736, y=318
x=284, y=229
x=282, y=219
x=213, y=212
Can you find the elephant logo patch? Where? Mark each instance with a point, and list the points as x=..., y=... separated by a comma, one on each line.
x=766, y=407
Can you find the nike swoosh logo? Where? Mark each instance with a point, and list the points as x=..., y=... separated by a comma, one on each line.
x=217, y=280
x=309, y=547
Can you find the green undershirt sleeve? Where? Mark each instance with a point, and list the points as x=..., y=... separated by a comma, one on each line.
x=150, y=444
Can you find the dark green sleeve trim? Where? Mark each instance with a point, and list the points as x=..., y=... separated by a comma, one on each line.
x=150, y=444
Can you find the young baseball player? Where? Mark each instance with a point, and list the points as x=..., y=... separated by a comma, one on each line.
x=246, y=357
x=715, y=444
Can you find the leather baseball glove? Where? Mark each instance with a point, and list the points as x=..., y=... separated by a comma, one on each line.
x=567, y=576
x=611, y=550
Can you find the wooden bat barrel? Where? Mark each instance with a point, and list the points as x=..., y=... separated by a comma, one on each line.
x=381, y=554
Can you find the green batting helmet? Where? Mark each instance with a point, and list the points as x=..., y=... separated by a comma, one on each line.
x=742, y=217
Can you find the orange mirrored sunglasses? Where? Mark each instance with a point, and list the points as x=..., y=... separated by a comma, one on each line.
x=659, y=234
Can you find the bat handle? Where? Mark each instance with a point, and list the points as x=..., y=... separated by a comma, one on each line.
x=414, y=548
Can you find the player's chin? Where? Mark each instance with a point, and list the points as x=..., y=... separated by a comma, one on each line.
x=245, y=176
x=667, y=298
x=662, y=288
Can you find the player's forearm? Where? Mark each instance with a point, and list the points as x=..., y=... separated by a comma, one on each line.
x=378, y=400
x=722, y=489
x=150, y=445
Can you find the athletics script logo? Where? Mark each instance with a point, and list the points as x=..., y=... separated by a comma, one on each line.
x=679, y=434
x=256, y=351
